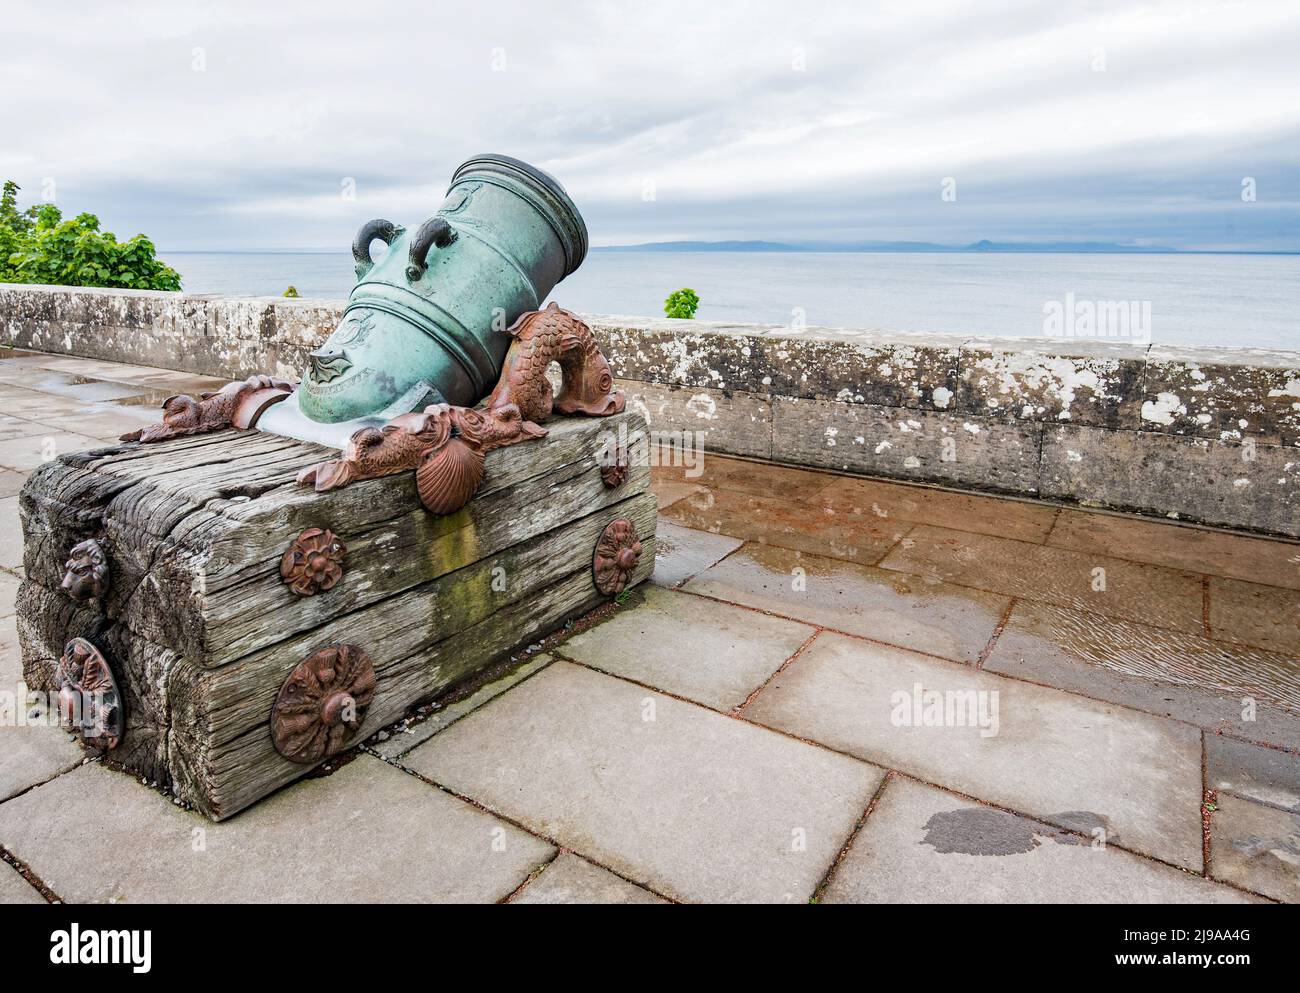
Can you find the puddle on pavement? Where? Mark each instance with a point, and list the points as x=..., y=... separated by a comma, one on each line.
x=986, y=831
x=1042, y=631
x=151, y=398
x=806, y=525
x=909, y=611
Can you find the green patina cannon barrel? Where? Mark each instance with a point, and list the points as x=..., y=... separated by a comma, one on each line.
x=428, y=321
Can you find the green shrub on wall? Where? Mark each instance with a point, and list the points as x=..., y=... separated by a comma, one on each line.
x=682, y=303
x=38, y=246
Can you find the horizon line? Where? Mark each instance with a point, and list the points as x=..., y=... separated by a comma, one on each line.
x=710, y=247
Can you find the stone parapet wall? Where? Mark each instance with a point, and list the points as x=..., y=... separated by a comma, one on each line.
x=1202, y=434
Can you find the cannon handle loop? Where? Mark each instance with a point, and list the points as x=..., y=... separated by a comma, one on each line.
x=379, y=228
x=434, y=231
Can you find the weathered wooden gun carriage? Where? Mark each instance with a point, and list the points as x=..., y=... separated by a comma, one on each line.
x=276, y=571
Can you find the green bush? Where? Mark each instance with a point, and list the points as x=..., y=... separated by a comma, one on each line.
x=292, y=291
x=682, y=303
x=38, y=246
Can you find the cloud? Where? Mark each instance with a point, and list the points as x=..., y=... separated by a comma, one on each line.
x=239, y=125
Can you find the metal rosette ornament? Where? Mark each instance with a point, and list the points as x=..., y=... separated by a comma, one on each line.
x=322, y=703
x=617, y=552
x=314, y=562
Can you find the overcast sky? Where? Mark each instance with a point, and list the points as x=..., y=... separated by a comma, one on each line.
x=240, y=125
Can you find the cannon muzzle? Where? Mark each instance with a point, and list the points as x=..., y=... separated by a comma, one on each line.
x=428, y=322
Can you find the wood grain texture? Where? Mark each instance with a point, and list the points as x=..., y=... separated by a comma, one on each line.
x=201, y=630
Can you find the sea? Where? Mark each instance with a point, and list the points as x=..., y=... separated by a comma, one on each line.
x=1250, y=301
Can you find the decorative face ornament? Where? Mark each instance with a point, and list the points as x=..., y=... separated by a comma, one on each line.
x=86, y=578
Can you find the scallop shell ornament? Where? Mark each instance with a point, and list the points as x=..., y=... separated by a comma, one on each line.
x=449, y=476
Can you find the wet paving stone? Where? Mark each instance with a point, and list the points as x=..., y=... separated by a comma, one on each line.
x=1264, y=775
x=1192, y=549
x=33, y=405
x=1256, y=847
x=923, y=845
x=693, y=804
x=1040, y=639
x=1097, y=583
x=801, y=526
x=927, y=616
x=681, y=553
x=1016, y=519
x=570, y=879
x=1251, y=614
x=668, y=491
x=712, y=653
x=717, y=472
x=1054, y=756
x=368, y=833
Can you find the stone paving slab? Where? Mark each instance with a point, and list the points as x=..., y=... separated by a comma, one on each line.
x=11, y=655
x=401, y=742
x=1016, y=519
x=11, y=535
x=1250, y=614
x=25, y=454
x=757, y=478
x=1214, y=711
x=681, y=553
x=927, y=616
x=11, y=482
x=368, y=833
x=15, y=889
x=1179, y=546
x=695, y=805
x=1132, y=591
x=570, y=879
x=32, y=755
x=1039, y=638
x=1056, y=757
x=669, y=492
x=709, y=652
x=104, y=425
x=923, y=845
x=32, y=404
x=8, y=593
x=1256, y=847
x=97, y=392
x=861, y=538
x=1265, y=775
x=19, y=427
x=28, y=755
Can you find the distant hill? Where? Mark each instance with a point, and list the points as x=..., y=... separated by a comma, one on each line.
x=704, y=246
x=887, y=246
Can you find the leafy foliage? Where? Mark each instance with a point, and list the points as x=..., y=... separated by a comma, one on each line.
x=38, y=246
x=682, y=303
x=292, y=291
